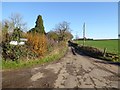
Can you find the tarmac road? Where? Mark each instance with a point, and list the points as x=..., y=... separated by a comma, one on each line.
x=72, y=71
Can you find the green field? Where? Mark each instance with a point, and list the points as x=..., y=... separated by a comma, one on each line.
x=111, y=45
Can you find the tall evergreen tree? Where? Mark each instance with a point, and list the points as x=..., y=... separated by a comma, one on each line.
x=39, y=27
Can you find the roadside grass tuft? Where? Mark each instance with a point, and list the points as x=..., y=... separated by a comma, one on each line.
x=24, y=64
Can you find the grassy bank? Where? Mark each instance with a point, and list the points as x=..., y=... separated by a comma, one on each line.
x=111, y=45
x=55, y=55
x=95, y=52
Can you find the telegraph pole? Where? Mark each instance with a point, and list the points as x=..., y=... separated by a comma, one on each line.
x=83, y=34
x=76, y=36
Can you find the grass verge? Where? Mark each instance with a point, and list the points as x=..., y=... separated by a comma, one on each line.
x=111, y=45
x=59, y=53
x=96, y=52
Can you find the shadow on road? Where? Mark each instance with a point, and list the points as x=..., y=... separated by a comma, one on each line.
x=75, y=51
x=109, y=62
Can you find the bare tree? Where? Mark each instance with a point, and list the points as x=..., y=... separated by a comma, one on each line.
x=0, y=26
x=0, y=32
x=16, y=20
x=62, y=28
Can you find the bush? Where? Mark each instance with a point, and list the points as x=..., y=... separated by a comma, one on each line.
x=10, y=51
x=38, y=43
x=91, y=51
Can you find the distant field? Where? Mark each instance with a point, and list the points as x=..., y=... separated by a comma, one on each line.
x=111, y=45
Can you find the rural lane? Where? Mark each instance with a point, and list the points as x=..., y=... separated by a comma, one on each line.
x=74, y=70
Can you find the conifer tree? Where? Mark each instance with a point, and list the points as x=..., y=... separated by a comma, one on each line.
x=39, y=27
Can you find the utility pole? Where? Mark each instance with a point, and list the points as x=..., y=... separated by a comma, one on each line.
x=76, y=36
x=83, y=34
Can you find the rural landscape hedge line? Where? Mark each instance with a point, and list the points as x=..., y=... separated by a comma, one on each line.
x=57, y=54
x=94, y=52
x=37, y=45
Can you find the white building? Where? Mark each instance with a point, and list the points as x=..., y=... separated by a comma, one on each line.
x=22, y=42
x=13, y=43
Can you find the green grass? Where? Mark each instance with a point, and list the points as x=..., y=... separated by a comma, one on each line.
x=111, y=45
x=22, y=64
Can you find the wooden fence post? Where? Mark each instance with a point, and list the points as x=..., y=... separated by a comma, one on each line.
x=105, y=50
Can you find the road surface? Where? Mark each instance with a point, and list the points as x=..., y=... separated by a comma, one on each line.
x=74, y=70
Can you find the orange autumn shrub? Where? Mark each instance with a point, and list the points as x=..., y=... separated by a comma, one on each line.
x=38, y=43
